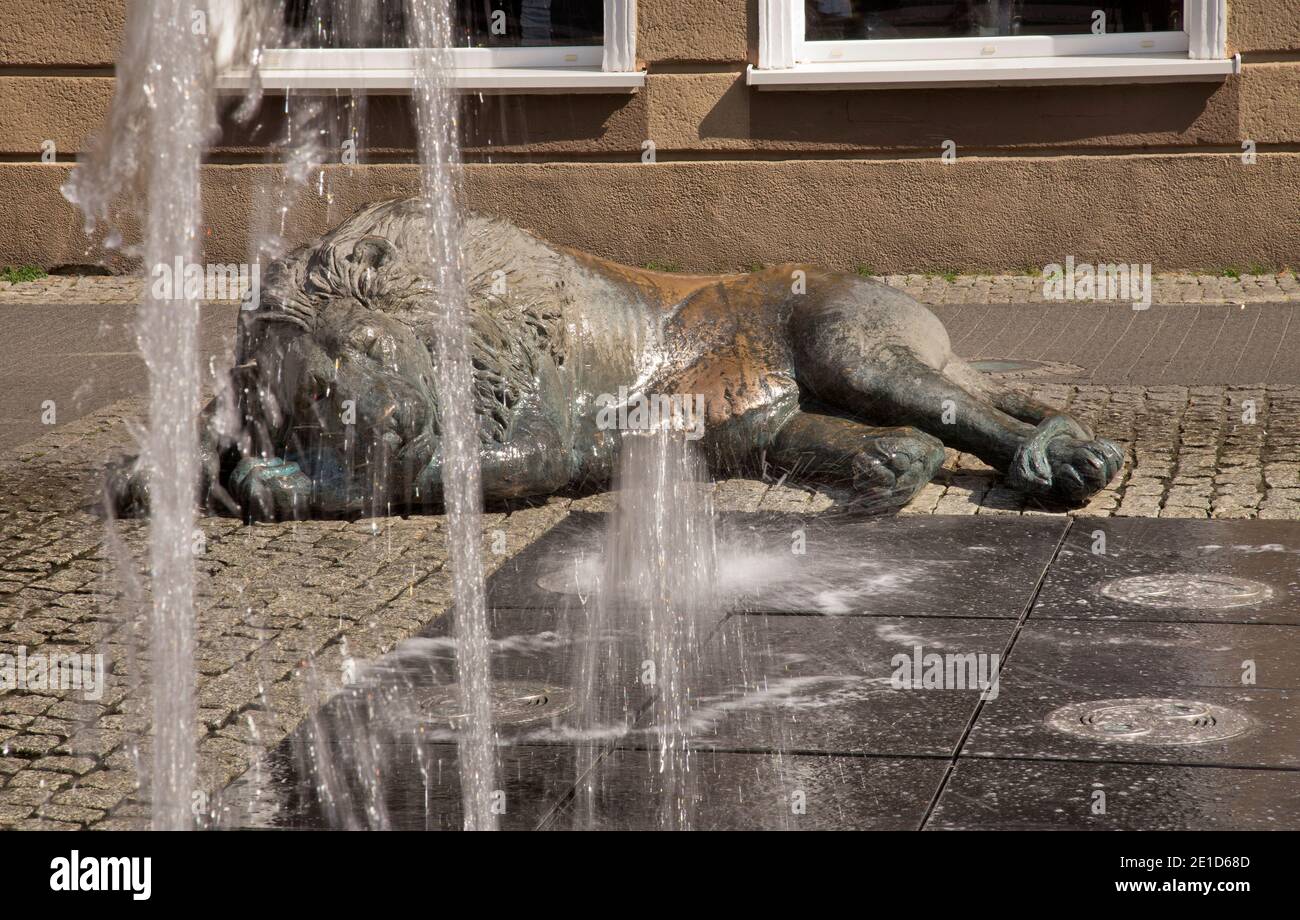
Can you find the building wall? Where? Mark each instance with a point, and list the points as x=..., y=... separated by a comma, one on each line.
x=1105, y=173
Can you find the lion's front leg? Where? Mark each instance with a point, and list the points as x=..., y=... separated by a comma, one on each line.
x=329, y=479
x=125, y=482
x=532, y=461
x=885, y=466
x=271, y=489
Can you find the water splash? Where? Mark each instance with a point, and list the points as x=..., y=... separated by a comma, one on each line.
x=658, y=585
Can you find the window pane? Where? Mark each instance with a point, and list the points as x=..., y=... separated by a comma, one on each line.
x=478, y=23
x=834, y=20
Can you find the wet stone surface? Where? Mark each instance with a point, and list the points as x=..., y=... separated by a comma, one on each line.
x=290, y=614
x=733, y=791
x=1062, y=671
x=1209, y=571
x=827, y=685
x=1150, y=721
x=533, y=778
x=736, y=791
x=807, y=710
x=1159, y=658
x=835, y=564
x=1047, y=795
x=1016, y=725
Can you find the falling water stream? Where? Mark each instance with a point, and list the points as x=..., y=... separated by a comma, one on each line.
x=656, y=599
x=160, y=127
x=162, y=123
x=436, y=106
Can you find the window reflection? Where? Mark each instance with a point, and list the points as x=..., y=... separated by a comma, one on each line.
x=476, y=23
x=832, y=20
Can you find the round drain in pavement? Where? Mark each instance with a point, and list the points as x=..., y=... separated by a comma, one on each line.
x=514, y=702
x=1149, y=721
x=1199, y=592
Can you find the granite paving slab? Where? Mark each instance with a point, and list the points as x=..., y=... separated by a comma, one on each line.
x=1053, y=795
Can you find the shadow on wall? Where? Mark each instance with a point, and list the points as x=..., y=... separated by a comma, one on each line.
x=517, y=125
x=1029, y=116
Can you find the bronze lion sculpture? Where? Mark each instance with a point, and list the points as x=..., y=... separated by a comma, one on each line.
x=822, y=375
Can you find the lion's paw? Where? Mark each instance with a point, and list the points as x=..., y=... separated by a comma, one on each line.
x=271, y=489
x=126, y=487
x=894, y=467
x=1082, y=468
x=1064, y=461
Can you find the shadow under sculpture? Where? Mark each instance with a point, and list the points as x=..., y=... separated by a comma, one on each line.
x=823, y=375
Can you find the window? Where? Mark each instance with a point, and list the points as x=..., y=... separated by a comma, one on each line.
x=475, y=23
x=501, y=46
x=924, y=42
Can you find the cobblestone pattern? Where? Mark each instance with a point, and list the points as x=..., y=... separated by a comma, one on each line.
x=1191, y=452
x=279, y=604
x=933, y=289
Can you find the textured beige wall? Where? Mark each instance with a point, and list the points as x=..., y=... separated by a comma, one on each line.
x=60, y=33
x=85, y=33
x=709, y=31
x=66, y=110
x=717, y=113
x=1270, y=103
x=1263, y=25
x=843, y=177
x=897, y=214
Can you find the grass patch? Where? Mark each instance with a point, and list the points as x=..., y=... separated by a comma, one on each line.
x=865, y=271
x=1232, y=273
x=654, y=265
x=22, y=274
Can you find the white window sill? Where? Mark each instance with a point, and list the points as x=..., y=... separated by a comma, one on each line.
x=1101, y=68
x=489, y=80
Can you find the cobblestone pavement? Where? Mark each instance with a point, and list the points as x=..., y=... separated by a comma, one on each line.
x=282, y=608
x=930, y=289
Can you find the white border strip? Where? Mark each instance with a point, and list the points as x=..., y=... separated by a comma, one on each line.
x=401, y=80
x=1206, y=24
x=1137, y=68
x=778, y=37
x=620, y=36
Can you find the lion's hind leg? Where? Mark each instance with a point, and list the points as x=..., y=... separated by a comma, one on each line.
x=1053, y=456
x=1080, y=462
x=1006, y=399
x=885, y=466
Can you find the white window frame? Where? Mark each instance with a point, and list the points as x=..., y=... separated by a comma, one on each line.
x=608, y=68
x=787, y=61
